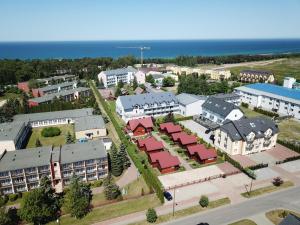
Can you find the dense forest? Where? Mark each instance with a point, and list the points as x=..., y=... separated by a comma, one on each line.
x=13, y=71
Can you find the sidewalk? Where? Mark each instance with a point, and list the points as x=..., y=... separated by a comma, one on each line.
x=171, y=148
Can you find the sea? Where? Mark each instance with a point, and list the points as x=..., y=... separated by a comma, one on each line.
x=157, y=48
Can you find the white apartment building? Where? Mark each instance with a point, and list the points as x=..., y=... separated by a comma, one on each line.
x=113, y=77
x=190, y=105
x=144, y=105
x=273, y=98
x=246, y=136
x=217, y=110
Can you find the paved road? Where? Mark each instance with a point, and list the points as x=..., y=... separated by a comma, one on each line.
x=289, y=199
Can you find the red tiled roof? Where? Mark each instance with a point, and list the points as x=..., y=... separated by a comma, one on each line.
x=164, y=159
x=184, y=138
x=145, y=122
x=202, y=151
x=142, y=142
x=170, y=127
x=154, y=145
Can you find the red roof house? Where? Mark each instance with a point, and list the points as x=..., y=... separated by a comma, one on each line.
x=24, y=86
x=150, y=145
x=170, y=128
x=164, y=161
x=184, y=139
x=140, y=126
x=201, y=153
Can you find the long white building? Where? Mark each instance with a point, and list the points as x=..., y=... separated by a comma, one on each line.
x=144, y=105
x=113, y=77
x=190, y=105
x=282, y=100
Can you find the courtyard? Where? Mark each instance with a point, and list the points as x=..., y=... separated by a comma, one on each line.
x=46, y=141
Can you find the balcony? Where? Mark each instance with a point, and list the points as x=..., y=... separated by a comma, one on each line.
x=6, y=184
x=18, y=182
x=32, y=179
x=79, y=172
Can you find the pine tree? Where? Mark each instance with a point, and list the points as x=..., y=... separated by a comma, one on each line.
x=111, y=190
x=38, y=143
x=115, y=162
x=124, y=157
x=69, y=138
x=134, y=83
x=151, y=215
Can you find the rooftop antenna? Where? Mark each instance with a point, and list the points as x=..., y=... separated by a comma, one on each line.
x=142, y=49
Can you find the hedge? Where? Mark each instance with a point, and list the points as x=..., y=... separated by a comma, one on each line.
x=51, y=132
x=290, y=145
x=244, y=104
x=267, y=113
x=184, y=118
x=143, y=166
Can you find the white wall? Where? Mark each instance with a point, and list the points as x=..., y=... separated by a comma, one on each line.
x=235, y=114
x=192, y=109
x=8, y=145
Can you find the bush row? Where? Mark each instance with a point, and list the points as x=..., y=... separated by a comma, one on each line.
x=267, y=113
x=289, y=145
x=143, y=166
x=258, y=166
x=51, y=132
x=293, y=158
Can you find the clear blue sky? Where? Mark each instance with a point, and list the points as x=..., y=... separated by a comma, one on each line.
x=30, y=20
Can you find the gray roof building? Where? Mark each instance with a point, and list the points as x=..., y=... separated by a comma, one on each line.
x=186, y=99
x=89, y=122
x=218, y=106
x=257, y=72
x=74, y=113
x=42, y=156
x=130, y=101
x=121, y=71
x=239, y=129
x=57, y=86
x=11, y=131
x=227, y=96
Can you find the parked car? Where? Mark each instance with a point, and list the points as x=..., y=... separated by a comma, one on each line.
x=168, y=196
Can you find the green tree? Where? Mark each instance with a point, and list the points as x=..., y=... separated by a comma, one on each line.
x=151, y=215
x=120, y=84
x=78, y=197
x=111, y=190
x=38, y=143
x=169, y=118
x=69, y=138
x=204, y=201
x=150, y=79
x=124, y=157
x=134, y=83
x=4, y=218
x=118, y=92
x=40, y=205
x=115, y=162
x=168, y=82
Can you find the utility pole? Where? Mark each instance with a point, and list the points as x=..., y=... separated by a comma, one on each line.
x=142, y=49
x=174, y=202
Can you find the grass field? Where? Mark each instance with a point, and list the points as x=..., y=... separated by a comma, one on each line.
x=9, y=95
x=275, y=216
x=268, y=189
x=243, y=222
x=56, y=141
x=289, y=130
x=290, y=67
x=113, y=210
x=250, y=113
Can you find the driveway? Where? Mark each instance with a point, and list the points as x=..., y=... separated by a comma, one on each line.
x=198, y=129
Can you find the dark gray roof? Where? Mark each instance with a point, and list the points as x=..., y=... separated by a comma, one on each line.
x=219, y=106
x=130, y=101
x=185, y=99
x=120, y=71
x=56, y=86
x=26, y=158
x=74, y=113
x=41, y=156
x=239, y=129
x=57, y=77
x=83, y=151
x=89, y=122
x=257, y=72
x=290, y=219
x=227, y=96
x=10, y=131
x=50, y=97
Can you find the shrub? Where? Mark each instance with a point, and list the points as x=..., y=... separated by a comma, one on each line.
x=20, y=194
x=204, y=201
x=267, y=113
x=13, y=197
x=244, y=104
x=6, y=198
x=97, y=183
x=151, y=215
x=51, y=132
x=277, y=181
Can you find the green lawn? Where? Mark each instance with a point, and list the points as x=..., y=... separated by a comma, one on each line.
x=251, y=113
x=286, y=67
x=289, y=129
x=243, y=222
x=112, y=106
x=113, y=210
x=9, y=95
x=56, y=141
x=186, y=212
x=268, y=189
x=276, y=216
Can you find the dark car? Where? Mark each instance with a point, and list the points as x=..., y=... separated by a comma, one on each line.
x=168, y=196
x=202, y=224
